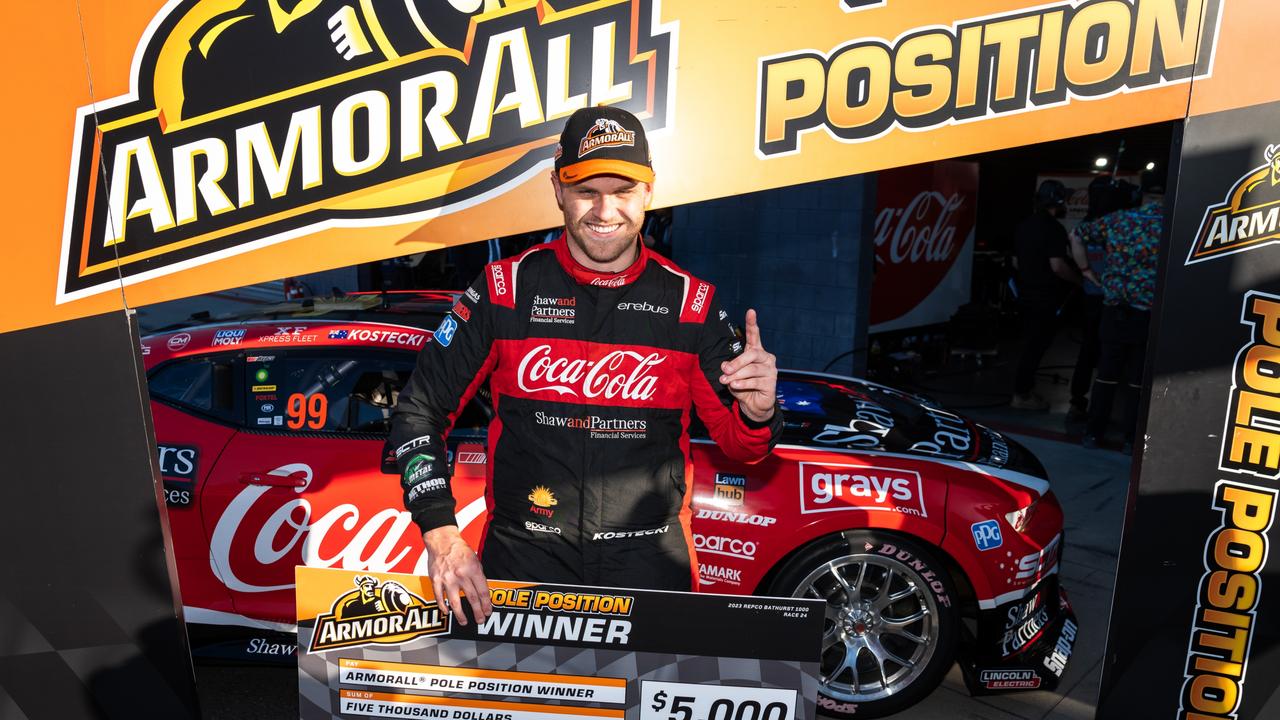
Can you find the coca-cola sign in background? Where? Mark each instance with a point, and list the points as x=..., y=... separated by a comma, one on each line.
x=925, y=216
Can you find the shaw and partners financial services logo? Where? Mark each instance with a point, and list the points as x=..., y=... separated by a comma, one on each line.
x=256, y=122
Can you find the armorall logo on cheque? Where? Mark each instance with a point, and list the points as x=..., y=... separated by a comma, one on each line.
x=1247, y=218
x=256, y=122
x=381, y=613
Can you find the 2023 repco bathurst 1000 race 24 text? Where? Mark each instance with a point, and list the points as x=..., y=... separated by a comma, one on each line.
x=932, y=539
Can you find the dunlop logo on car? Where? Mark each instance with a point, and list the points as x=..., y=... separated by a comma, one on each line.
x=377, y=613
x=252, y=125
x=1247, y=218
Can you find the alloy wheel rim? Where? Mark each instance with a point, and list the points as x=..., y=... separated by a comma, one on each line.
x=880, y=630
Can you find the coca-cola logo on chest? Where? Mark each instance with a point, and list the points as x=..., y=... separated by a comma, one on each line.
x=618, y=374
x=924, y=217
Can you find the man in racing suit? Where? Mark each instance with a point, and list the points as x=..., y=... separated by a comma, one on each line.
x=593, y=346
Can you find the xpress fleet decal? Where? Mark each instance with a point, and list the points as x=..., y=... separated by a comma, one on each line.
x=987, y=67
x=385, y=111
x=1235, y=553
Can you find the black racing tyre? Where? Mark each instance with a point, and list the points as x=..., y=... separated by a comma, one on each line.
x=891, y=628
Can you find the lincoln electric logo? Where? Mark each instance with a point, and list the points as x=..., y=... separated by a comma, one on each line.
x=1249, y=216
x=250, y=124
x=382, y=613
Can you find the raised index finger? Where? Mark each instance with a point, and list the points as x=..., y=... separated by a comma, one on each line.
x=752, y=330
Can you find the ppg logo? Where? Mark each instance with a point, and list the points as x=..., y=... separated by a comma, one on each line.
x=986, y=535
x=444, y=333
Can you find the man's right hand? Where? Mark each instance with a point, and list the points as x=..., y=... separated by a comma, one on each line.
x=455, y=570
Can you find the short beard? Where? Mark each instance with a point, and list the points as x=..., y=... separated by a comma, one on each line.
x=593, y=250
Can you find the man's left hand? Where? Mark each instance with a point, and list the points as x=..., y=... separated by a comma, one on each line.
x=752, y=377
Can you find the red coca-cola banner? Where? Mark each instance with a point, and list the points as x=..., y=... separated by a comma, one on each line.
x=925, y=216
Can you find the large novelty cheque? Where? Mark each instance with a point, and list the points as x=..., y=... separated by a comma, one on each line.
x=378, y=645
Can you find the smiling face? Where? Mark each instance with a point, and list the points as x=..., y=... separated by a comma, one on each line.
x=602, y=218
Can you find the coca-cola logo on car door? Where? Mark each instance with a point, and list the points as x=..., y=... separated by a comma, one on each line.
x=924, y=216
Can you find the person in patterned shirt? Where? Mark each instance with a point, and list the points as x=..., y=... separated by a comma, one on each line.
x=1132, y=242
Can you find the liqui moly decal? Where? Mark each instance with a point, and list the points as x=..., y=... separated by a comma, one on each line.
x=620, y=374
x=257, y=541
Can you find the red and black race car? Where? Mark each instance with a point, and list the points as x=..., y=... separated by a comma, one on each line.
x=933, y=539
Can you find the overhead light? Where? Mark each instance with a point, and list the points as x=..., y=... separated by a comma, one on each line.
x=1101, y=161
x=1151, y=166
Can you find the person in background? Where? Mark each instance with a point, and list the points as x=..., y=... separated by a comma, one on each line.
x=1132, y=242
x=1106, y=195
x=1045, y=277
x=656, y=232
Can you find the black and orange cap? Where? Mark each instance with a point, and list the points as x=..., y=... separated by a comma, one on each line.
x=603, y=140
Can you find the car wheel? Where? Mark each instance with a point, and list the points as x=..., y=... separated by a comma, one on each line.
x=890, y=632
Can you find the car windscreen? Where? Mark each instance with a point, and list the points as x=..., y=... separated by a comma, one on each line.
x=309, y=392
x=854, y=415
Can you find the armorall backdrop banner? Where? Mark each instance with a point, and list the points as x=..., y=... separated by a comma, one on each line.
x=203, y=144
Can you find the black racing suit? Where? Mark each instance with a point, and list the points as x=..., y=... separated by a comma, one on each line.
x=590, y=473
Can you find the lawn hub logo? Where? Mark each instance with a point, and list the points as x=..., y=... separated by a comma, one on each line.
x=985, y=67
x=247, y=124
x=1249, y=216
x=543, y=500
x=377, y=613
x=986, y=535
x=730, y=490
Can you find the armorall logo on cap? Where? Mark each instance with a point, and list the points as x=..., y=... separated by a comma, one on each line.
x=254, y=123
x=605, y=133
